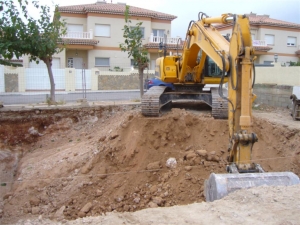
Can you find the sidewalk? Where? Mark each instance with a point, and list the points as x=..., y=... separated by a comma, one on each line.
x=78, y=104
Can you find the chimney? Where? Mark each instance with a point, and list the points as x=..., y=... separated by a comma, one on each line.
x=101, y=2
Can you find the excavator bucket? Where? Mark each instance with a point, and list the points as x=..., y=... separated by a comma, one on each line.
x=220, y=185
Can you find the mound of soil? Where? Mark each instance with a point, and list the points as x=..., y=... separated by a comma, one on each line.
x=95, y=162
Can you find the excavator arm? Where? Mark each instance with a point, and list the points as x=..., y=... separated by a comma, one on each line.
x=202, y=36
x=235, y=60
x=242, y=172
x=240, y=97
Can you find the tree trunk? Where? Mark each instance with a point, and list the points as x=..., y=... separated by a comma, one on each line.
x=141, y=78
x=48, y=62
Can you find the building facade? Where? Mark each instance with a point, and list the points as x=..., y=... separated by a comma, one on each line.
x=273, y=40
x=95, y=31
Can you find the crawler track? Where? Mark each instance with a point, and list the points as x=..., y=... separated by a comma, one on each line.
x=152, y=101
x=219, y=105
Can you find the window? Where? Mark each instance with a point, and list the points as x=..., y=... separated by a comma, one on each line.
x=101, y=61
x=102, y=30
x=142, y=30
x=268, y=62
x=158, y=33
x=270, y=39
x=253, y=36
x=74, y=31
x=291, y=41
x=75, y=28
x=70, y=63
x=133, y=63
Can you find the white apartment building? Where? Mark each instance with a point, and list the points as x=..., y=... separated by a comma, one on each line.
x=94, y=32
x=273, y=40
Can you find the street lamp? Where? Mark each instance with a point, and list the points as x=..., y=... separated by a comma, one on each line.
x=275, y=57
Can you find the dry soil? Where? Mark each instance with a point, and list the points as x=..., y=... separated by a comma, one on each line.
x=77, y=165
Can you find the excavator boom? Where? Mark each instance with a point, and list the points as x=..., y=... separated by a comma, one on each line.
x=209, y=58
x=242, y=172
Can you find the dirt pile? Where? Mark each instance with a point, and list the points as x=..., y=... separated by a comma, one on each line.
x=124, y=162
x=259, y=205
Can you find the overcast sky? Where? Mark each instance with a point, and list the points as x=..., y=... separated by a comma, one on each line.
x=187, y=10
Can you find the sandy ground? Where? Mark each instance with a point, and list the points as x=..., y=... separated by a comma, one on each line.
x=74, y=167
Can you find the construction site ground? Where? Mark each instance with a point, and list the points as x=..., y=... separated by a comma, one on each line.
x=108, y=164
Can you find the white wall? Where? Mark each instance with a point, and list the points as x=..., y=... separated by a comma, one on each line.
x=278, y=75
x=81, y=78
x=2, y=88
x=38, y=79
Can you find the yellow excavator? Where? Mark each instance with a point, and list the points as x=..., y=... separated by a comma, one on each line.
x=210, y=58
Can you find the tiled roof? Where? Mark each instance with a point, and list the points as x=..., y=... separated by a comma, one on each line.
x=116, y=9
x=69, y=41
x=169, y=46
x=264, y=20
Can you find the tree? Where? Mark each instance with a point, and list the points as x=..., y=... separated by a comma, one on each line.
x=21, y=34
x=133, y=45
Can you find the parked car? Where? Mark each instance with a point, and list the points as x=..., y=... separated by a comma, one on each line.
x=156, y=82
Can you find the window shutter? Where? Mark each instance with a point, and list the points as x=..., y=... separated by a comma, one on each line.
x=269, y=39
x=102, y=30
x=291, y=41
x=101, y=61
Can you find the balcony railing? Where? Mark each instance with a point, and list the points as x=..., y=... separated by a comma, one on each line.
x=79, y=35
x=156, y=39
x=259, y=43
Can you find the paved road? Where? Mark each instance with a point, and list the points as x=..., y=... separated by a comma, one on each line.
x=33, y=98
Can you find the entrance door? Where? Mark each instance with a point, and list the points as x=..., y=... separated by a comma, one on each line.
x=75, y=62
x=152, y=66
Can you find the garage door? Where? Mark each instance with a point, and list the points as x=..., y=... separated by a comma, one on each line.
x=55, y=64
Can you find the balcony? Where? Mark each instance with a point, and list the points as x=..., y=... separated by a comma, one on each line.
x=259, y=43
x=79, y=38
x=260, y=46
x=157, y=39
x=79, y=35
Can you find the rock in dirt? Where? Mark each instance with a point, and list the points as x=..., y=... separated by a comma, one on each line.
x=34, y=201
x=202, y=153
x=154, y=166
x=59, y=214
x=103, y=173
x=87, y=207
x=158, y=200
x=190, y=155
x=171, y=163
x=188, y=168
x=101, y=139
x=6, y=196
x=35, y=210
x=152, y=205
